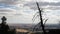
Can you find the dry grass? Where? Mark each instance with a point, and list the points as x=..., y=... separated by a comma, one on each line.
x=25, y=31
x=21, y=30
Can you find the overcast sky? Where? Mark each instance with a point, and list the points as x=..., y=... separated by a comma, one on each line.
x=22, y=11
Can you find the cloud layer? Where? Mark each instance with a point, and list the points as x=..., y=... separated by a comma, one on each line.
x=22, y=11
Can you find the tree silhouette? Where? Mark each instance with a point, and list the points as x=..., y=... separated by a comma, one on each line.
x=41, y=19
x=4, y=28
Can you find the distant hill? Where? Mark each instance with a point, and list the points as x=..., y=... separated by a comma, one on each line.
x=19, y=26
x=30, y=26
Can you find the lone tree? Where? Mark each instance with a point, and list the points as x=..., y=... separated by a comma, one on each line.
x=41, y=19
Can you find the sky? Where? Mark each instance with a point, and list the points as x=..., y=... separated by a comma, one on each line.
x=22, y=11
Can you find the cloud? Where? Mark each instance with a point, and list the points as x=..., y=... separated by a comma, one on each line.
x=7, y=11
x=9, y=1
x=22, y=11
x=52, y=5
x=14, y=2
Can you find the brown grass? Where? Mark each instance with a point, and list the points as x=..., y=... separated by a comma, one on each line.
x=21, y=30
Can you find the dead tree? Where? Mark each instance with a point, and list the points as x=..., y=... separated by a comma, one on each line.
x=41, y=18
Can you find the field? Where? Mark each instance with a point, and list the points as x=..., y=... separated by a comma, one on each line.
x=24, y=31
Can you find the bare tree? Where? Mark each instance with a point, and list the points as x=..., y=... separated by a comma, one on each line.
x=41, y=18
